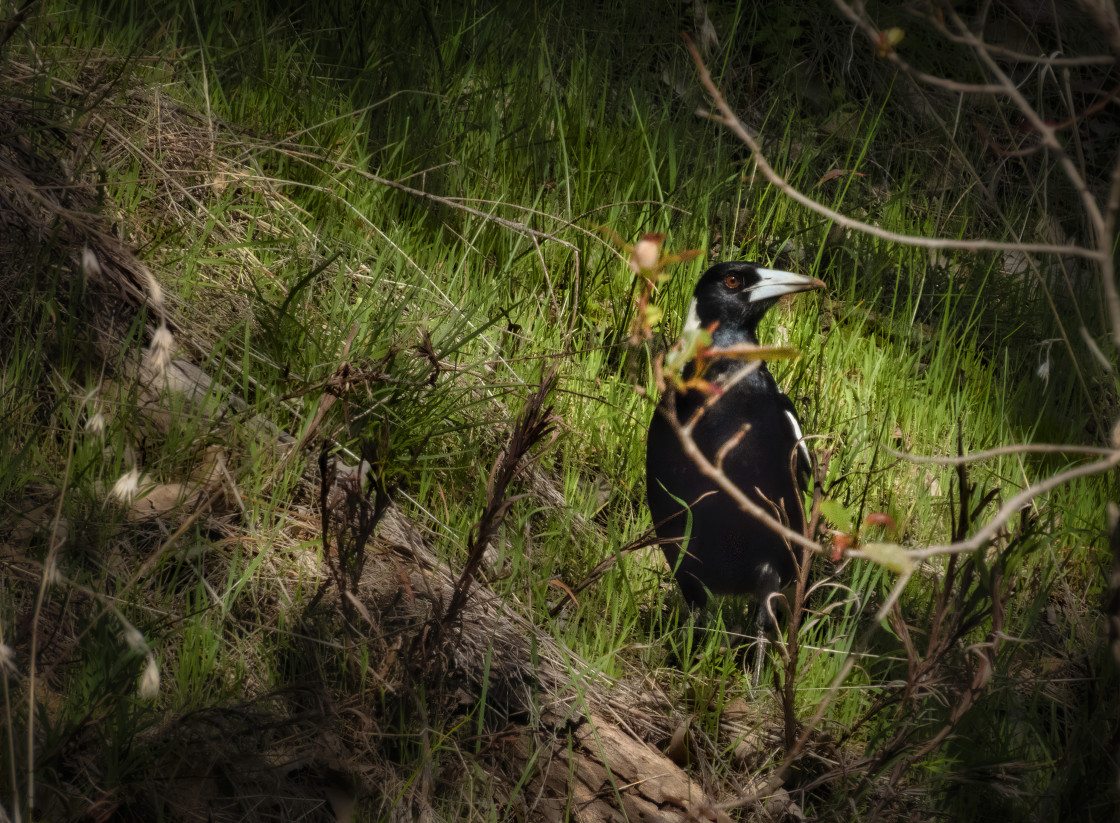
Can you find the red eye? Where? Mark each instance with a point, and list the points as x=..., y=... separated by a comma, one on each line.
x=731, y=281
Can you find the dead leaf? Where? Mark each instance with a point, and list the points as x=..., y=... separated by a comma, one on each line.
x=678, y=746
x=834, y=173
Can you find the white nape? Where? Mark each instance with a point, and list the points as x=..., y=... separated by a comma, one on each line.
x=692, y=321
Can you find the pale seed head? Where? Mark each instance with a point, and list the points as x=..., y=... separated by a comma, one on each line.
x=149, y=682
x=125, y=487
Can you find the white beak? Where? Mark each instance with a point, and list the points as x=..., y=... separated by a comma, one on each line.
x=774, y=283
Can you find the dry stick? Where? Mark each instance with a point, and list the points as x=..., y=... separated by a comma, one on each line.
x=797, y=612
x=872, y=33
x=1037, y=448
x=737, y=127
x=991, y=529
x=948, y=625
x=793, y=630
x=967, y=697
x=778, y=776
x=1023, y=57
x=1103, y=255
x=1014, y=504
x=953, y=85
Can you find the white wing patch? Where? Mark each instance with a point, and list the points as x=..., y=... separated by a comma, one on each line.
x=801, y=447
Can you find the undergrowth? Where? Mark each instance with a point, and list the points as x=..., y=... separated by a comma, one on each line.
x=376, y=230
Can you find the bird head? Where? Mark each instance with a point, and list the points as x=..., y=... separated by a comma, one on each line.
x=736, y=295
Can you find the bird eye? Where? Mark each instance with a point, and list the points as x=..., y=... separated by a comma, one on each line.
x=731, y=281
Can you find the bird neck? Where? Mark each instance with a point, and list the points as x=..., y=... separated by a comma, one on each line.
x=729, y=335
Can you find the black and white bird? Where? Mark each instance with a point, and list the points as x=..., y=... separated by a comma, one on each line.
x=726, y=550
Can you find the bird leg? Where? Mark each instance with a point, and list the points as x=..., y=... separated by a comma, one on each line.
x=764, y=621
x=760, y=652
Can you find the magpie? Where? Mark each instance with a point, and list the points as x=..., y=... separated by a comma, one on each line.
x=711, y=543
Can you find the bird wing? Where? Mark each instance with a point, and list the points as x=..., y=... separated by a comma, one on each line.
x=804, y=465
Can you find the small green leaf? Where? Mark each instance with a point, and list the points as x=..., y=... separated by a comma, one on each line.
x=890, y=555
x=838, y=515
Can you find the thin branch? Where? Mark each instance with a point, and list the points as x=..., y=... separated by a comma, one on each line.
x=729, y=119
x=902, y=65
x=975, y=457
x=1023, y=57
x=993, y=526
x=1012, y=506
x=1045, y=130
x=778, y=776
x=1098, y=220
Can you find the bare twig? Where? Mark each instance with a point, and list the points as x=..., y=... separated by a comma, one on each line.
x=1047, y=134
x=1000, y=451
x=1045, y=130
x=1023, y=57
x=729, y=119
x=1008, y=509
x=534, y=424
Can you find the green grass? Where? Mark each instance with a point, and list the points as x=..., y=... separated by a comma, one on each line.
x=280, y=252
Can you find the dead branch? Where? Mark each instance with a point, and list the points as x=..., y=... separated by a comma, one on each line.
x=1000, y=451
x=728, y=118
x=534, y=424
x=1012, y=506
x=1047, y=133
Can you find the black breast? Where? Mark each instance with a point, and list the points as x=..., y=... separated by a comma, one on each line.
x=729, y=551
